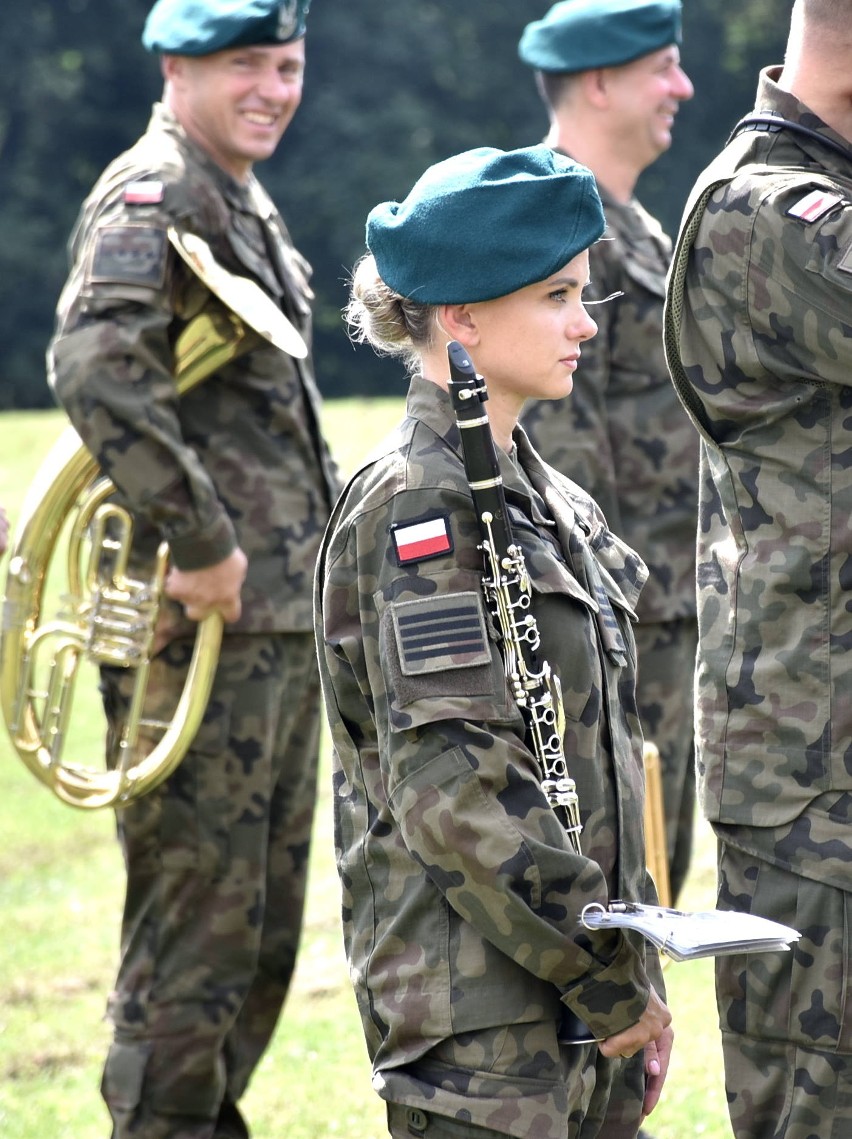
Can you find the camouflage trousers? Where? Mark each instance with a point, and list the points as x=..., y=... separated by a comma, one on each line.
x=216, y=862
x=517, y=1080
x=786, y=1018
x=664, y=693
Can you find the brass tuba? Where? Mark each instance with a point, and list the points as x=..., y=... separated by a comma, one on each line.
x=109, y=617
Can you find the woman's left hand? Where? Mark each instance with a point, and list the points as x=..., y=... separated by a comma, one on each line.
x=657, y=1056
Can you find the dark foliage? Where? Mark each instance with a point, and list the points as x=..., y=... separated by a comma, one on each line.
x=390, y=89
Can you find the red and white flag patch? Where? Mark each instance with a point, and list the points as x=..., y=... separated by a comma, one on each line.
x=146, y=193
x=814, y=205
x=416, y=541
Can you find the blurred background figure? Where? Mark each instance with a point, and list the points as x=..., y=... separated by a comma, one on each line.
x=610, y=76
x=235, y=475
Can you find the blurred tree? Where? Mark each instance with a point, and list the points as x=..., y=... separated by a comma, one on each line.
x=74, y=90
x=390, y=89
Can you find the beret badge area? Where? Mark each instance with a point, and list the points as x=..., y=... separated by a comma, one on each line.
x=203, y=27
x=288, y=19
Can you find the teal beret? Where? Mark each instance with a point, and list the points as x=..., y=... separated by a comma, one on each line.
x=484, y=223
x=577, y=35
x=202, y=27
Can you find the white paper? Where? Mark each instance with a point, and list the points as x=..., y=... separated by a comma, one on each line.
x=684, y=936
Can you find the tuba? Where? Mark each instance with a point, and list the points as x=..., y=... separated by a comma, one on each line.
x=109, y=617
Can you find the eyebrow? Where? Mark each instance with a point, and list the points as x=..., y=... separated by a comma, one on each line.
x=573, y=282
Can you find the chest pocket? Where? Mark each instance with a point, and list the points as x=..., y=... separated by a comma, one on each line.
x=590, y=588
x=568, y=618
x=646, y=263
x=648, y=277
x=248, y=243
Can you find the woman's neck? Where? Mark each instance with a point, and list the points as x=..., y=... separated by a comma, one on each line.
x=503, y=410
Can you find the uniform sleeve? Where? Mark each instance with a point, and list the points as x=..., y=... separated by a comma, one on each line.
x=111, y=367
x=413, y=650
x=799, y=288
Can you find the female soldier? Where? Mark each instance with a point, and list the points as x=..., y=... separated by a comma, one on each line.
x=462, y=890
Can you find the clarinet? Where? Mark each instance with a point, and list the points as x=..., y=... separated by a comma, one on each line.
x=534, y=685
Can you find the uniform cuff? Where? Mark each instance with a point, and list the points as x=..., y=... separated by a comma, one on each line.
x=614, y=998
x=204, y=548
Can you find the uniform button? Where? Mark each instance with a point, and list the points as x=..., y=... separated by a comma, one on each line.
x=418, y=1121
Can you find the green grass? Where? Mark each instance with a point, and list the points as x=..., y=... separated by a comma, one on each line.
x=60, y=891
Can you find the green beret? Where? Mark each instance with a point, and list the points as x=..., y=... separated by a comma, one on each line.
x=484, y=223
x=577, y=35
x=202, y=27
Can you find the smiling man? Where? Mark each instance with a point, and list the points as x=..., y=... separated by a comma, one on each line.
x=178, y=248
x=609, y=73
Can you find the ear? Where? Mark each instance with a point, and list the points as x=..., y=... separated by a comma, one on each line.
x=459, y=323
x=172, y=67
x=595, y=85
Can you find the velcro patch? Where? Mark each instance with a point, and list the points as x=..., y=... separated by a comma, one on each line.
x=425, y=538
x=845, y=262
x=814, y=205
x=437, y=633
x=147, y=193
x=129, y=255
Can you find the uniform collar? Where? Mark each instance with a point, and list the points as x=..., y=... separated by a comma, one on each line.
x=432, y=406
x=787, y=147
x=571, y=510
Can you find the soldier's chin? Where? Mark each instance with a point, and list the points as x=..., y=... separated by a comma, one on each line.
x=664, y=138
x=261, y=144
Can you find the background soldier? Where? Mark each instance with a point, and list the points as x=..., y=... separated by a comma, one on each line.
x=609, y=74
x=759, y=327
x=236, y=477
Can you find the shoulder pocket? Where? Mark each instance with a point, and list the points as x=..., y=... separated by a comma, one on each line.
x=128, y=255
x=439, y=655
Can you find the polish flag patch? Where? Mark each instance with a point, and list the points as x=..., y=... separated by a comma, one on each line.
x=814, y=205
x=148, y=193
x=416, y=541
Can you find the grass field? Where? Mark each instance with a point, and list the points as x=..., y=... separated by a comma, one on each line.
x=60, y=890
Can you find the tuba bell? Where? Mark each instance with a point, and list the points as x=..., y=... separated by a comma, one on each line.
x=110, y=617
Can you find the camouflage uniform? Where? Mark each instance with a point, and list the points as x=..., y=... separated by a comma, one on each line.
x=623, y=436
x=216, y=857
x=461, y=894
x=759, y=334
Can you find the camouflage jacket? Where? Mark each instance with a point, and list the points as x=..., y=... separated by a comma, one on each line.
x=622, y=434
x=461, y=893
x=237, y=460
x=759, y=335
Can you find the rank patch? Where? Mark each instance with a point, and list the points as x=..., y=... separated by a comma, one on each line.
x=436, y=633
x=814, y=205
x=129, y=255
x=416, y=541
